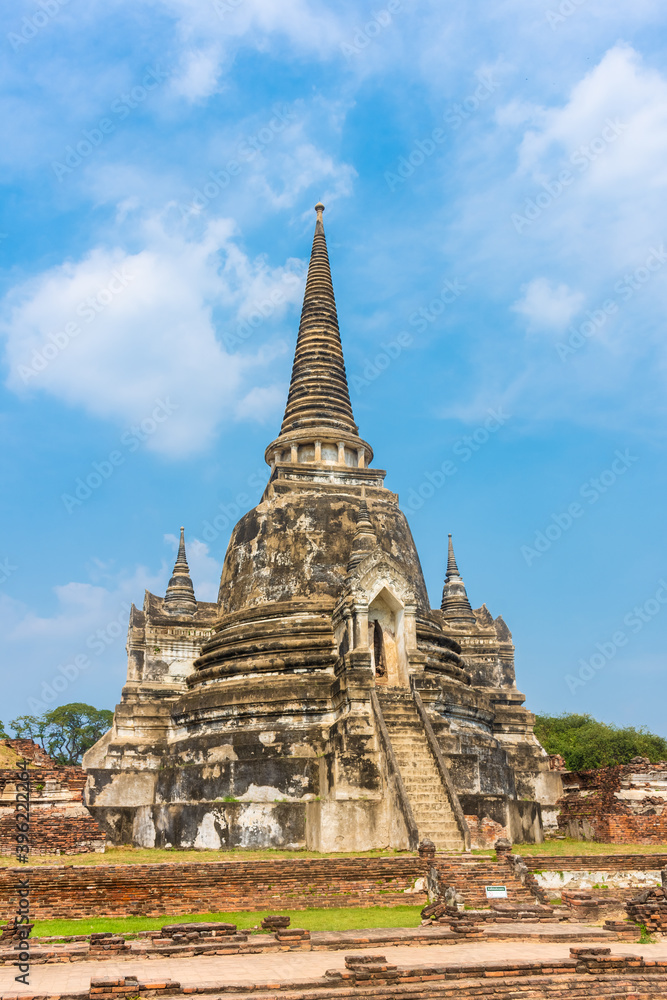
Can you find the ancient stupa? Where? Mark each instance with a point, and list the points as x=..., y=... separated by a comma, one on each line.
x=321, y=702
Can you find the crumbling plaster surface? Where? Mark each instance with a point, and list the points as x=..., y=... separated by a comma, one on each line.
x=272, y=540
x=249, y=721
x=553, y=882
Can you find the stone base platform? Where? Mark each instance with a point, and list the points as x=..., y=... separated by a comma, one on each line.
x=275, y=971
x=522, y=971
x=44, y=951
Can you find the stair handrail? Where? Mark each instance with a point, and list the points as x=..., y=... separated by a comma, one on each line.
x=394, y=773
x=445, y=776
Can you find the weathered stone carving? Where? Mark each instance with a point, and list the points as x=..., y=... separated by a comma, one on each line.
x=261, y=720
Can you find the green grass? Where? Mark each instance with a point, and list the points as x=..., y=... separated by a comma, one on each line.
x=156, y=855
x=339, y=919
x=567, y=846
x=558, y=848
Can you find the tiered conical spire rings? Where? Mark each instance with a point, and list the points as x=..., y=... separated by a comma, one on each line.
x=180, y=596
x=365, y=539
x=318, y=393
x=318, y=427
x=455, y=603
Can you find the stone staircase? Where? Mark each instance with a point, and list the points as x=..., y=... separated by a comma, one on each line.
x=421, y=778
x=471, y=875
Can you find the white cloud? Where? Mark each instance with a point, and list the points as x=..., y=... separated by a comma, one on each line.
x=547, y=305
x=77, y=652
x=310, y=26
x=611, y=135
x=83, y=608
x=295, y=169
x=266, y=159
x=80, y=607
x=619, y=88
x=599, y=239
x=199, y=74
x=212, y=31
x=115, y=331
x=262, y=403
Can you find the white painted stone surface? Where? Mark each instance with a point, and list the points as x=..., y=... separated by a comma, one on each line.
x=143, y=828
x=208, y=837
x=554, y=882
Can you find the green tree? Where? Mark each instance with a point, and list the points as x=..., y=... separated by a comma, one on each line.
x=3, y=734
x=65, y=732
x=586, y=743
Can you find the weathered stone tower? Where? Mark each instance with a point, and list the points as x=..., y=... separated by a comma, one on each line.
x=322, y=702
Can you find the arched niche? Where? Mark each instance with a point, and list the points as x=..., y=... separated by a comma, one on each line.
x=386, y=639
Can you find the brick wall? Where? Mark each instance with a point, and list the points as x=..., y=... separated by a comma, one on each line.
x=470, y=878
x=635, y=830
x=153, y=890
x=290, y=883
x=616, y=805
x=59, y=821
x=54, y=833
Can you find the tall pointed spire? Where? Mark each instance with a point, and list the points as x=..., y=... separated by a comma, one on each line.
x=365, y=539
x=455, y=604
x=318, y=393
x=318, y=432
x=180, y=596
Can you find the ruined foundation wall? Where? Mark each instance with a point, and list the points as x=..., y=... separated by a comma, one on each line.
x=152, y=890
x=59, y=821
x=616, y=805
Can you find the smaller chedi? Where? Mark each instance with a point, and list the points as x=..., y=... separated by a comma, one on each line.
x=321, y=702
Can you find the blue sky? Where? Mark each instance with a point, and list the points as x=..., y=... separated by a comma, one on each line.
x=494, y=179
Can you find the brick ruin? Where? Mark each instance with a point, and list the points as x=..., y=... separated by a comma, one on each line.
x=321, y=702
x=76, y=892
x=591, y=973
x=59, y=821
x=79, y=891
x=625, y=804
x=650, y=909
